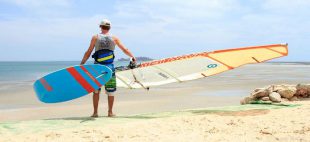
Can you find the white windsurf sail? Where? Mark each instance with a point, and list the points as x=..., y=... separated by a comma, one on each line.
x=195, y=66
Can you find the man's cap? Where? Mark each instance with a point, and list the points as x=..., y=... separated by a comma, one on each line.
x=105, y=22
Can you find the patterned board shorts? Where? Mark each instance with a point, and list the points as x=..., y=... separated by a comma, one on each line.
x=110, y=86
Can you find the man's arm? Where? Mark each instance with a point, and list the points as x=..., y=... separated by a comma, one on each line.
x=123, y=48
x=90, y=49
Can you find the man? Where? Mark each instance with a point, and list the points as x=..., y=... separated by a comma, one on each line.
x=104, y=44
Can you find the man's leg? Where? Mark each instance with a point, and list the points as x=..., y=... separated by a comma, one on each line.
x=110, y=104
x=95, y=103
x=110, y=88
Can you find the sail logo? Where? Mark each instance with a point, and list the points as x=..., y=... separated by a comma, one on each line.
x=212, y=66
x=163, y=75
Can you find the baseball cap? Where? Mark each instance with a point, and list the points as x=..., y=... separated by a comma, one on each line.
x=105, y=22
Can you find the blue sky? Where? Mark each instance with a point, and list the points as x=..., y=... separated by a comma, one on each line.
x=56, y=30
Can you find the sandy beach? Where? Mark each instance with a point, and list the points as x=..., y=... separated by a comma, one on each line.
x=236, y=123
x=201, y=110
x=185, y=71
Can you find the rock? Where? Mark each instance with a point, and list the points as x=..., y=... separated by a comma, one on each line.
x=303, y=90
x=260, y=93
x=247, y=100
x=287, y=92
x=265, y=99
x=308, y=90
x=301, y=93
x=270, y=88
x=295, y=98
x=278, y=93
x=275, y=97
x=259, y=89
x=304, y=86
x=276, y=88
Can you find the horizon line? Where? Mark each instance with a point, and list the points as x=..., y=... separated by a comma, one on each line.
x=116, y=60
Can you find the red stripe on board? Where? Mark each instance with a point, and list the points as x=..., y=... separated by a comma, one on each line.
x=79, y=78
x=45, y=84
x=94, y=79
x=94, y=70
x=97, y=73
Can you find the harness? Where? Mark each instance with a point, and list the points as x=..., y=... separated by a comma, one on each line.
x=104, y=56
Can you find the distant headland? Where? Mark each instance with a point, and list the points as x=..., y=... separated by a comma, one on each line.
x=138, y=58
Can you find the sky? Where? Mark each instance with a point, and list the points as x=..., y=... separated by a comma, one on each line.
x=61, y=30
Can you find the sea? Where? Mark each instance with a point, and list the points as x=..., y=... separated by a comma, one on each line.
x=18, y=74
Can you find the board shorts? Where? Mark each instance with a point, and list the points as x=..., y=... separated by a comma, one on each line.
x=110, y=86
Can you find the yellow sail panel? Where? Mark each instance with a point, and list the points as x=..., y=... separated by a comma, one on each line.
x=240, y=56
x=280, y=49
x=194, y=66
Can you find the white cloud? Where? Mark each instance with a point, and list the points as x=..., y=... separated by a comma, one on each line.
x=176, y=27
x=172, y=17
x=173, y=26
x=194, y=9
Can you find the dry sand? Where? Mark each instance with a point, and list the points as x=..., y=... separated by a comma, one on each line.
x=238, y=123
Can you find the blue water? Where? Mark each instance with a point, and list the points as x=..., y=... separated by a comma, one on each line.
x=28, y=71
x=21, y=72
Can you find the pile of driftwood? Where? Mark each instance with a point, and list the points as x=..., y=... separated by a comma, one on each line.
x=278, y=93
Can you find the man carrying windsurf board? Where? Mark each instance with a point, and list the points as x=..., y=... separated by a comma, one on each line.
x=104, y=44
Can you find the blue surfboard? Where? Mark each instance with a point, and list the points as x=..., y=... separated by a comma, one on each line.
x=71, y=83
